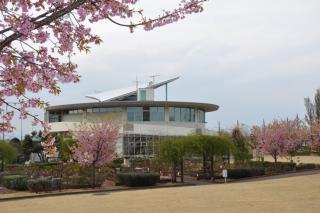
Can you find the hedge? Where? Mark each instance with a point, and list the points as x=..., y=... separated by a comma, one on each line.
x=15, y=182
x=245, y=172
x=44, y=184
x=138, y=179
x=3, y=174
x=304, y=166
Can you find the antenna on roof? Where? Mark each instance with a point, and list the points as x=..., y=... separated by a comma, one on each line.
x=137, y=83
x=154, y=78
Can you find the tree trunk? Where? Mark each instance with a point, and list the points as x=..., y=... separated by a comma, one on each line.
x=181, y=169
x=275, y=162
x=212, y=168
x=40, y=157
x=93, y=174
x=204, y=163
x=60, y=174
x=174, y=172
x=2, y=164
x=228, y=157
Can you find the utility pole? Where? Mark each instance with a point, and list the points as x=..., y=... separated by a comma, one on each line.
x=166, y=91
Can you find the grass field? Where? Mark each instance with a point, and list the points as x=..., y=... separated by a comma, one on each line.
x=293, y=194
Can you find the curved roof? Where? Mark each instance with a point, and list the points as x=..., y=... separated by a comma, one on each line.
x=203, y=106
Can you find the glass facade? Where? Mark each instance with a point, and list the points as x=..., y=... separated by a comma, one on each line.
x=54, y=117
x=202, y=116
x=138, y=114
x=75, y=111
x=181, y=114
x=143, y=95
x=104, y=110
x=137, y=145
x=145, y=114
x=135, y=113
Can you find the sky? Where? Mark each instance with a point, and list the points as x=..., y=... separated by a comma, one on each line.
x=257, y=60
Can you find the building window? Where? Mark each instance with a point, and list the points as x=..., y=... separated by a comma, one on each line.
x=139, y=146
x=143, y=95
x=54, y=117
x=156, y=113
x=181, y=114
x=76, y=111
x=145, y=114
x=135, y=114
x=104, y=110
x=202, y=117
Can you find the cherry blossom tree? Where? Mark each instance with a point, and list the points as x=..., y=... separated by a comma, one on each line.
x=280, y=138
x=38, y=39
x=96, y=144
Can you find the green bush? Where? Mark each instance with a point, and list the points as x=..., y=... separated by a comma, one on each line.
x=245, y=172
x=44, y=184
x=138, y=179
x=16, y=182
x=304, y=166
x=3, y=174
x=279, y=167
x=8, y=153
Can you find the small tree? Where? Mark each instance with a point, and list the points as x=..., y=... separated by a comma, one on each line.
x=169, y=153
x=184, y=146
x=242, y=153
x=313, y=108
x=65, y=147
x=315, y=136
x=213, y=148
x=27, y=146
x=96, y=144
x=280, y=138
x=7, y=153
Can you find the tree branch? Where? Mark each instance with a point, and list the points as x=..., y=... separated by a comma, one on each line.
x=56, y=15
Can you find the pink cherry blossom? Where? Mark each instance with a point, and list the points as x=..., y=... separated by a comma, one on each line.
x=96, y=143
x=280, y=138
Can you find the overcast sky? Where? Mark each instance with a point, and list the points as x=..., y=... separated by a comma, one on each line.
x=256, y=59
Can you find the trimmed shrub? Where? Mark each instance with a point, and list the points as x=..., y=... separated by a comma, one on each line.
x=138, y=179
x=44, y=184
x=304, y=166
x=245, y=172
x=2, y=175
x=279, y=167
x=15, y=182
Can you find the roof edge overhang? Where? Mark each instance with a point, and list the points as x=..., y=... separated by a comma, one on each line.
x=207, y=107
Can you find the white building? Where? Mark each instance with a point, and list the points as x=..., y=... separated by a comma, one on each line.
x=140, y=116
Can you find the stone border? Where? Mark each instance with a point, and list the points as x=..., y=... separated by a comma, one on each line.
x=54, y=194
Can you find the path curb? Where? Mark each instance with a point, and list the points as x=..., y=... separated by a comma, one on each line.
x=56, y=194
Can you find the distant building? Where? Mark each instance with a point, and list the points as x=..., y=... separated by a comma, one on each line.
x=140, y=116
